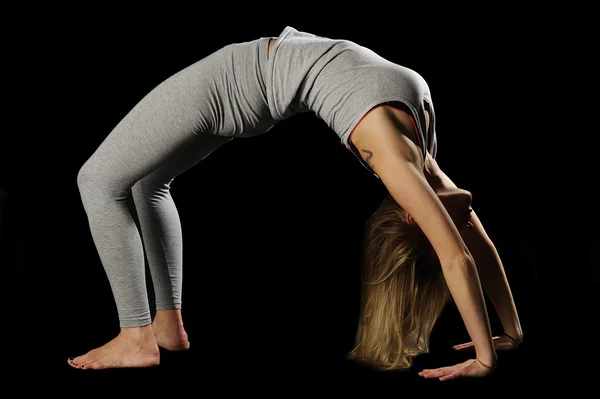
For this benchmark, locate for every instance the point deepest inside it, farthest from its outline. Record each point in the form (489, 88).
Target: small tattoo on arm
(369, 157)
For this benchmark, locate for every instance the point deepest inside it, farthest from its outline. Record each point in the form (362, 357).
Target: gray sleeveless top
(341, 81)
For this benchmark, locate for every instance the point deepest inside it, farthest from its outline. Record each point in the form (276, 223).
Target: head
(403, 288)
(457, 203)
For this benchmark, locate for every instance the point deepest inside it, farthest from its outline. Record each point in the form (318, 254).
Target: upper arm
(435, 176)
(396, 161)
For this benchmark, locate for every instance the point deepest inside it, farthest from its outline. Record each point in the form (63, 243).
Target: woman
(381, 111)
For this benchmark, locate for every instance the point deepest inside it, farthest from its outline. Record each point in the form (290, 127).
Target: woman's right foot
(168, 330)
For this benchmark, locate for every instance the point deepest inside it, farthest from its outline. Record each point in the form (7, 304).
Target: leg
(161, 233)
(153, 133)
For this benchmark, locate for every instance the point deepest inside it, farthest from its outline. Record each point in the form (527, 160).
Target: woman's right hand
(470, 368)
(501, 343)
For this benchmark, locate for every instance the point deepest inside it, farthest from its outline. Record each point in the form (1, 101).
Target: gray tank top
(340, 81)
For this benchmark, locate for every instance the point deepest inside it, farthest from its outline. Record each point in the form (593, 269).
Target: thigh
(164, 124)
(182, 160)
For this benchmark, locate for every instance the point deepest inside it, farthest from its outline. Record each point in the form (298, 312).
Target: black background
(272, 224)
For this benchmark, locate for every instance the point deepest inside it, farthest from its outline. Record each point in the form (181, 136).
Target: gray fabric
(237, 91)
(179, 123)
(340, 81)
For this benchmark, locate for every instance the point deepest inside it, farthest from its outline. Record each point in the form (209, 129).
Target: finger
(440, 375)
(435, 370)
(463, 346)
(449, 377)
(437, 373)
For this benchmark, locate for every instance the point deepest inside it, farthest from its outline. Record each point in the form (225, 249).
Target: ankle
(171, 316)
(139, 334)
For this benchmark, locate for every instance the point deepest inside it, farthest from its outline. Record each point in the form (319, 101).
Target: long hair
(403, 291)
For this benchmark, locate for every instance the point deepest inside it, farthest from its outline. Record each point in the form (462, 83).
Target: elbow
(458, 263)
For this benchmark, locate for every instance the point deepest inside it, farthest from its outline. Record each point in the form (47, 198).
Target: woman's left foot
(133, 347)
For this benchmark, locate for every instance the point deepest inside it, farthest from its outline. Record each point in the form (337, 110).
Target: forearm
(463, 282)
(493, 277)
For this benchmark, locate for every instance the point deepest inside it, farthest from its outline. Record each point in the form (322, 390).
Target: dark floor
(250, 333)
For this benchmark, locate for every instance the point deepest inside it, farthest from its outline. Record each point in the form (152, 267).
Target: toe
(87, 364)
(82, 363)
(72, 363)
(78, 360)
(96, 365)
(91, 355)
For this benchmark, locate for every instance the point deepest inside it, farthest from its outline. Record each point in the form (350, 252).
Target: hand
(501, 343)
(470, 368)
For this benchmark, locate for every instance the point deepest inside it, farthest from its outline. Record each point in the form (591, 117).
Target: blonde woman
(381, 111)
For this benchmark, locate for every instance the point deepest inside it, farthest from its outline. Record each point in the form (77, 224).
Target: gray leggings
(137, 159)
(174, 127)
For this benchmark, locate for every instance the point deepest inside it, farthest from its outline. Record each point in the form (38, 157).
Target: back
(340, 81)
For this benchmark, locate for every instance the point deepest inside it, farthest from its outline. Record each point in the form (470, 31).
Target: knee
(90, 180)
(84, 176)
(150, 188)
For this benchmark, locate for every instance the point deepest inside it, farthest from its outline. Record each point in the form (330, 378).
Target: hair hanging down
(403, 291)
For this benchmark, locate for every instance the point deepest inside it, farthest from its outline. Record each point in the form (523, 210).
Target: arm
(398, 163)
(493, 277)
(487, 260)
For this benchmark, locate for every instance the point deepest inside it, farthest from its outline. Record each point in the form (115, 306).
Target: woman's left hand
(470, 368)
(501, 343)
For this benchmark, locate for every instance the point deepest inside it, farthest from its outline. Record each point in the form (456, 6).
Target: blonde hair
(403, 291)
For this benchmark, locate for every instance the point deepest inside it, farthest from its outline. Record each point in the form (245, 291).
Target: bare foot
(133, 347)
(169, 331)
